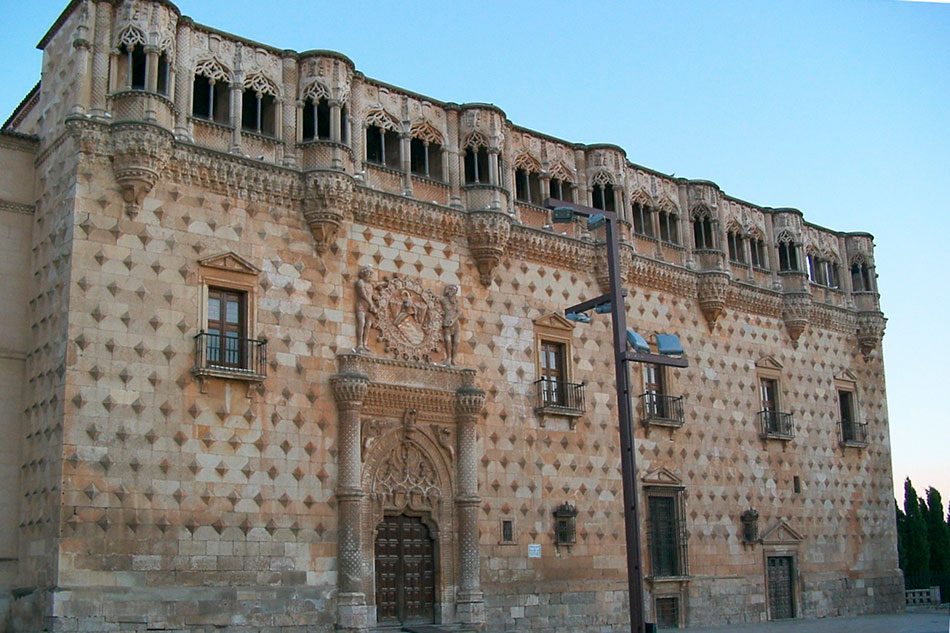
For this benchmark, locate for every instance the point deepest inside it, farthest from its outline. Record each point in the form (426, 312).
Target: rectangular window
(787, 257)
(667, 612)
(654, 391)
(757, 249)
(507, 531)
(561, 190)
(374, 144)
(553, 373)
(664, 536)
(642, 219)
(226, 328)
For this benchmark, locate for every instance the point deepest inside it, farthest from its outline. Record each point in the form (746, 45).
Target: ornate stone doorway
(405, 571)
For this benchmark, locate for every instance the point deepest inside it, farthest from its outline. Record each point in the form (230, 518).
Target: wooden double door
(405, 571)
(781, 587)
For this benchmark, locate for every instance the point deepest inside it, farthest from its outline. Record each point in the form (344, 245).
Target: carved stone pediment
(409, 318)
(407, 478)
(662, 476)
(768, 362)
(230, 261)
(554, 321)
(781, 534)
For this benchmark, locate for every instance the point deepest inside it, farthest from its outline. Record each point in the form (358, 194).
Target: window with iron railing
(657, 405)
(223, 347)
(853, 432)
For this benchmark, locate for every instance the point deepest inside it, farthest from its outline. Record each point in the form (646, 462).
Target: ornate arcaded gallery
(283, 346)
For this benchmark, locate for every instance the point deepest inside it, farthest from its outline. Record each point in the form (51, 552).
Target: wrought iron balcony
(555, 397)
(661, 409)
(853, 433)
(777, 425)
(230, 357)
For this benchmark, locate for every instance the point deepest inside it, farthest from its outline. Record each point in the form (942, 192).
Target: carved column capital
(140, 153)
(349, 390)
(796, 312)
(870, 331)
(469, 402)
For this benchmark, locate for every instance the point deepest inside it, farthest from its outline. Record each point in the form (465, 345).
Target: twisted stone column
(349, 389)
(469, 601)
(289, 107)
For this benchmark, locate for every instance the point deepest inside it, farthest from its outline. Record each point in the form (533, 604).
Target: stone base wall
(524, 608)
(182, 608)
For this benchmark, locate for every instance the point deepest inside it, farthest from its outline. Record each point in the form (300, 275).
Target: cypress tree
(939, 536)
(901, 537)
(916, 545)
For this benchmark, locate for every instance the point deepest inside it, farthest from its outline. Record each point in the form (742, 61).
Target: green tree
(901, 536)
(938, 533)
(916, 546)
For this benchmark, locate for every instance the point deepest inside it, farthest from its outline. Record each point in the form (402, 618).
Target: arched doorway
(405, 571)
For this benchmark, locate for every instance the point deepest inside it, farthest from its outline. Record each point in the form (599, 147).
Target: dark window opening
(135, 67)
(703, 233)
(668, 227)
(787, 256)
(210, 100)
(736, 248)
(507, 531)
(375, 147)
(797, 484)
(163, 70)
(664, 536)
(642, 219)
(527, 186)
(846, 406)
(757, 248)
(667, 612)
(259, 112)
(861, 278)
(425, 159)
(316, 119)
(769, 393)
(561, 190)
(344, 128)
(604, 197)
(476, 165)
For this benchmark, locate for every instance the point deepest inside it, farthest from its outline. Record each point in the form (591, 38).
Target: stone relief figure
(365, 308)
(450, 323)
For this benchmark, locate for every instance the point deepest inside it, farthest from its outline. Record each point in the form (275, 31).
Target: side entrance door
(781, 598)
(405, 571)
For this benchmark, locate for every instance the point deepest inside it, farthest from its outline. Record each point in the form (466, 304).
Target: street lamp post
(564, 212)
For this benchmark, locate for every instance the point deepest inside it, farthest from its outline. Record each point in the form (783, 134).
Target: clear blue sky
(840, 108)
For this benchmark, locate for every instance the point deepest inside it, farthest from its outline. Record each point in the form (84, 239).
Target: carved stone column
(349, 389)
(405, 161)
(83, 81)
(100, 58)
(289, 107)
(236, 95)
(454, 157)
(469, 600)
(183, 80)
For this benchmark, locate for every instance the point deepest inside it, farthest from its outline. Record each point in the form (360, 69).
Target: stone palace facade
(282, 348)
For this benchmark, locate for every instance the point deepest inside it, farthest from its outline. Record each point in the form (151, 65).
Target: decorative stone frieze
(488, 233)
(327, 196)
(713, 292)
(140, 153)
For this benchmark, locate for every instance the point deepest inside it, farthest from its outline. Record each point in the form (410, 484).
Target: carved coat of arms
(409, 318)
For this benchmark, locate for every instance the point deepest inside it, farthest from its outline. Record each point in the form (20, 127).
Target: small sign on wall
(534, 550)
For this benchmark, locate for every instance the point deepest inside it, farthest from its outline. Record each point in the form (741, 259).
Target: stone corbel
(488, 233)
(713, 290)
(796, 312)
(140, 153)
(870, 331)
(328, 195)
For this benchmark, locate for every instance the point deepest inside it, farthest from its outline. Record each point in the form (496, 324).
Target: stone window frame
(230, 272)
(670, 388)
(767, 368)
(663, 482)
(554, 328)
(501, 531)
(847, 382)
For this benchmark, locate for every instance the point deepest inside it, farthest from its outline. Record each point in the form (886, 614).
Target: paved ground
(917, 621)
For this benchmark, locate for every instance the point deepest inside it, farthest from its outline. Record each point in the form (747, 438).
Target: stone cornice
(16, 207)
(407, 215)
(549, 248)
(18, 142)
